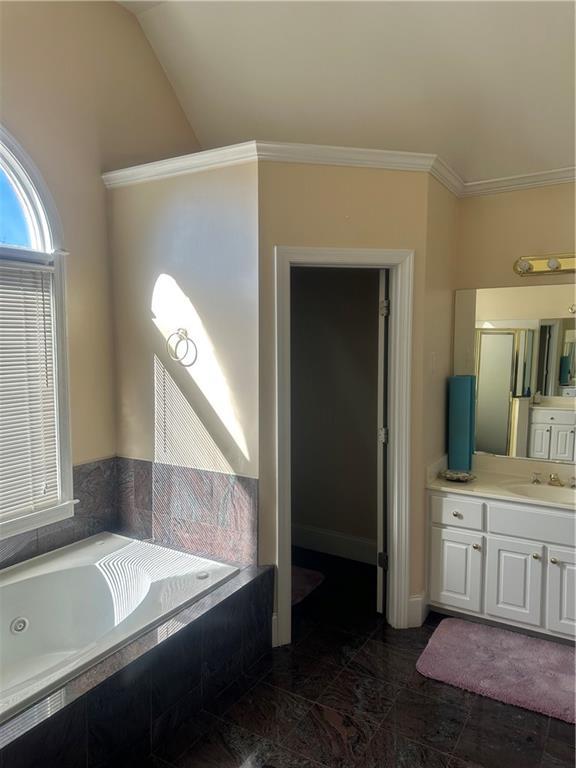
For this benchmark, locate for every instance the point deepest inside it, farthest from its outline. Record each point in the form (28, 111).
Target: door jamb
(400, 264)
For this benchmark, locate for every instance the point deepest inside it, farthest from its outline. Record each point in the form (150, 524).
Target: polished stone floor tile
(302, 625)
(437, 690)
(385, 663)
(359, 623)
(360, 695)
(414, 640)
(558, 754)
(330, 737)
(301, 674)
(494, 745)
(331, 645)
(429, 721)
(271, 756)
(268, 712)
(228, 746)
(562, 731)
(389, 749)
(490, 714)
(225, 745)
(456, 762)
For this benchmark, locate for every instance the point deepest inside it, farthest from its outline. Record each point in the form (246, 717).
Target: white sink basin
(549, 493)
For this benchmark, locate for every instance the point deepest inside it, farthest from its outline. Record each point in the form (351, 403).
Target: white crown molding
(445, 175)
(526, 181)
(178, 166)
(317, 154)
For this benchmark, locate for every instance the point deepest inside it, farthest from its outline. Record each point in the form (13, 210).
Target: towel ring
(176, 353)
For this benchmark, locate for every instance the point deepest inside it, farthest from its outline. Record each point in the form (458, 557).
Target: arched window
(35, 461)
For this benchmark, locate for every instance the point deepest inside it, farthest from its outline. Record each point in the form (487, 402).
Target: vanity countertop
(513, 488)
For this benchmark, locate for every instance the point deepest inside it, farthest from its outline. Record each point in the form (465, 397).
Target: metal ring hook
(176, 354)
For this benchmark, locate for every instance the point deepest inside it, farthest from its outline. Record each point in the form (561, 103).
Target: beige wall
(82, 92)
(185, 255)
(321, 206)
(495, 230)
(442, 221)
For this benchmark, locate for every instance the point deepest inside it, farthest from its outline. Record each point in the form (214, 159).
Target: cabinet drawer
(552, 416)
(551, 526)
(457, 511)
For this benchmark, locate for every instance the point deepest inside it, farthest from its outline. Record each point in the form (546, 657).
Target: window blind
(29, 456)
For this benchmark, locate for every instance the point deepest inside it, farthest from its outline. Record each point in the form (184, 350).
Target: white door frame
(401, 266)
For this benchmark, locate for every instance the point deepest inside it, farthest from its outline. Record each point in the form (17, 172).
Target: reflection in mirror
(521, 345)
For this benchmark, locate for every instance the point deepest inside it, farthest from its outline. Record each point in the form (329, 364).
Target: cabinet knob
(476, 547)
(536, 556)
(456, 514)
(554, 560)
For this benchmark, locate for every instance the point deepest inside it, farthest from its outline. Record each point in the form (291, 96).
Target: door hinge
(385, 307)
(383, 560)
(384, 435)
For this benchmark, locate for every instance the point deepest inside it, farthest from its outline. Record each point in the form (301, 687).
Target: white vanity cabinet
(507, 562)
(562, 442)
(456, 575)
(552, 434)
(514, 580)
(561, 590)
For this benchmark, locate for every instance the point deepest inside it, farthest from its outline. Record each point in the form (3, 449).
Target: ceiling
(488, 86)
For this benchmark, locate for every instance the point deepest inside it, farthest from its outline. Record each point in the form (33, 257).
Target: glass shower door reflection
(494, 391)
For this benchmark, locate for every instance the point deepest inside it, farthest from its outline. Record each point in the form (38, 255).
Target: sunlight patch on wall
(172, 310)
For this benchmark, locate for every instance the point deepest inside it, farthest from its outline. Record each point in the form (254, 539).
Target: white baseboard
(275, 641)
(417, 610)
(335, 543)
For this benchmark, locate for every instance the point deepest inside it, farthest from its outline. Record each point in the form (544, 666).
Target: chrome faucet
(555, 480)
(536, 478)
(573, 482)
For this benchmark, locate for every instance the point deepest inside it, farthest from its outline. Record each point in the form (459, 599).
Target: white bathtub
(62, 612)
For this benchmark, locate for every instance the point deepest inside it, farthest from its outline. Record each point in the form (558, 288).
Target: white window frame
(46, 235)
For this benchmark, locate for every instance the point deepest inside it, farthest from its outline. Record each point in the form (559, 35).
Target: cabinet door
(561, 593)
(562, 442)
(539, 441)
(456, 568)
(514, 579)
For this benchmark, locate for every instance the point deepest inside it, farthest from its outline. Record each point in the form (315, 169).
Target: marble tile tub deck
(147, 697)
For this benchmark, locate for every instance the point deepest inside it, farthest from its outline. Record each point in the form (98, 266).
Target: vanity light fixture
(557, 263)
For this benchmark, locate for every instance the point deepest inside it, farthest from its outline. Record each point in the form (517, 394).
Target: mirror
(520, 343)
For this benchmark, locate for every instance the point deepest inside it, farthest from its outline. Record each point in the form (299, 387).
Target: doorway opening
(339, 366)
(395, 276)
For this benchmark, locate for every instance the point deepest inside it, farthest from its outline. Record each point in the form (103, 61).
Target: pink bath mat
(506, 666)
(304, 581)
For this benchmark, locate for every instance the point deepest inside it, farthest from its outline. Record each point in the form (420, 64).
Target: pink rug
(506, 666)
(304, 581)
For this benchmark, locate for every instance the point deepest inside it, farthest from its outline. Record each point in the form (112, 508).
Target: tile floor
(346, 695)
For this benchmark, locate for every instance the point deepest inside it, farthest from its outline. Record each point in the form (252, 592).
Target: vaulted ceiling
(488, 86)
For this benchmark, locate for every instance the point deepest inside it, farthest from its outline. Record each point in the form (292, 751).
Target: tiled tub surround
(210, 514)
(95, 487)
(147, 697)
